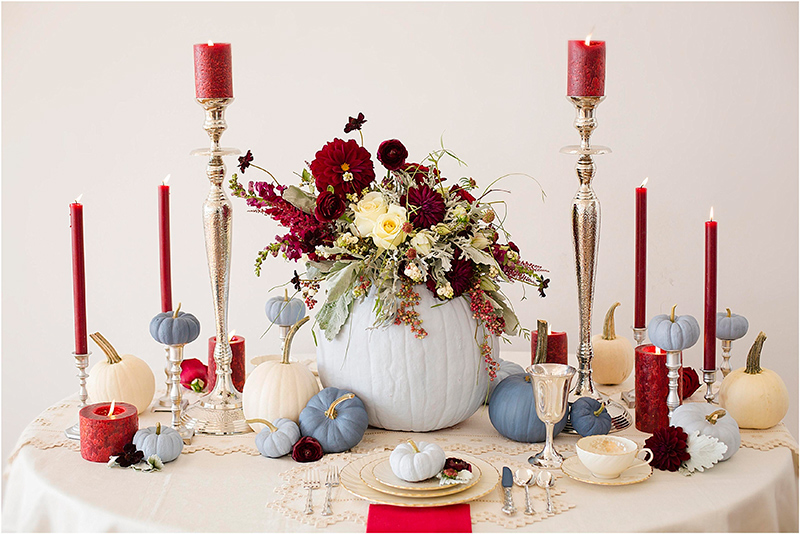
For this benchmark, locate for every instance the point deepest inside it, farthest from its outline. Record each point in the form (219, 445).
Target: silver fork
(331, 481)
(311, 483)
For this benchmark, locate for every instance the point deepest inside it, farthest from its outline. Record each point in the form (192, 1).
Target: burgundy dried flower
(329, 207)
(295, 281)
(543, 285)
(420, 172)
(392, 154)
(690, 382)
(244, 161)
(307, 449)
(194, 374)
(354, 123)
(343, 165)
(460, 273)
(458, 464)
(463, 194)
(669, 448)
(129, 456)
(425, 206)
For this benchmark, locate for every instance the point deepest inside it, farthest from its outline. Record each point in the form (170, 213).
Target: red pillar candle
(163, 246)
(652, 388)
(237, 363)
(710, 330)
(556, 347)
(213, 77)
(104, 435)
(586, 68)
(78, 276)
(640, 293)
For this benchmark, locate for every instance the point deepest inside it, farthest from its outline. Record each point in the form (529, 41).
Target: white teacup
(608, 456)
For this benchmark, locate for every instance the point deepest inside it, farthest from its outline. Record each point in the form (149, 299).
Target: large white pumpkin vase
(408, 383)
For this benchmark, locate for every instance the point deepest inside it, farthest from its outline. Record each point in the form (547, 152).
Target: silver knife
(508, 500)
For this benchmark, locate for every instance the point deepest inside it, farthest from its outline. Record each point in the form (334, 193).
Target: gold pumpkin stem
(272, 428)
(602, 407)
(729, 312)
(541, 342)
(111, 353)
(672, 315)
(754, 356)
(175, 314)
(609, 330)
(713, 417)
(285, 295)
(413, 445)
(330, 413)
(158, 429)
(287, 343)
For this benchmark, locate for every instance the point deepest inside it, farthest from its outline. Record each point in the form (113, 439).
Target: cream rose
(367, 211)
(422, 242)
(388, 230)
(480, 241)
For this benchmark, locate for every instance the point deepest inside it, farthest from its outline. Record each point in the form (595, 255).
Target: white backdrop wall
(98, 99)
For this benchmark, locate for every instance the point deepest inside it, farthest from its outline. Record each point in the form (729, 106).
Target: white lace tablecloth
(223, 484)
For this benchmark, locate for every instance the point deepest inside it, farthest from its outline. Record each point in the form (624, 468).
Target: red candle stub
(237, 363)
(556, 347)
(652, 388)
(213, 76)
(586, 68)
(104, 435)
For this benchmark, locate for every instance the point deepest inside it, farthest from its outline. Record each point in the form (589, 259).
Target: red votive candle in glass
(237, 363)
(652, 388)
(213, 76)
(104, 435)
(640, 289)
(556, 347)
(586, 68)
(710, 318)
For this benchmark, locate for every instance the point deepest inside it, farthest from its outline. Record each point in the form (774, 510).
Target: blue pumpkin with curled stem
(276, 440)
(336, 418)
(589, 417)
(512, 411)
(175, 328)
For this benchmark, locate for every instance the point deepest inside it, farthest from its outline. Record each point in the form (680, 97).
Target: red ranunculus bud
(307, 449)
(392, 154)
(329, 207)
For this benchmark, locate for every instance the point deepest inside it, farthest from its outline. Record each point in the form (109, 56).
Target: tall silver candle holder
(219, 411)
(674, 363)
(175, 360)
(586, 239)
(81, 362)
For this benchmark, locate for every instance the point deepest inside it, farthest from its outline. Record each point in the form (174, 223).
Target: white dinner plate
(638, 472)
(402, 488)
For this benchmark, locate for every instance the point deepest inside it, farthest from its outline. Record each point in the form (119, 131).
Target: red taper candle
(78, 276)
(640, 292)
(586, 68)
(213, 76)
(163, 246)
(710, 329)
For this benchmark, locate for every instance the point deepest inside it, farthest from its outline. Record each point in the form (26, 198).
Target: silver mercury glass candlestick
(586, 239)
(81, 362)
(220, 411)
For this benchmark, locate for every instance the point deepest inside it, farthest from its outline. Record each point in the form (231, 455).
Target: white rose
(480, 241)
(458, 212)
(388, 230)
(367, 212)
(445, 291)
(422, 242)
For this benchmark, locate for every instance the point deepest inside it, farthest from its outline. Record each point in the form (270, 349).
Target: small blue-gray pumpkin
(336, 418)
(284, 311)
(512, 411)
(175, 328)
(589, 417)
(731, 326)
(165, 442)
(276, 440)
(672, 333)
(506, 369)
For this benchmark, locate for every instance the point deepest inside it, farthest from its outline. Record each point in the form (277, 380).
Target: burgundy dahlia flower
(425, 206)
(460, 274)
(329, 207)
(392, 154)
(343, 165)
(669, 448)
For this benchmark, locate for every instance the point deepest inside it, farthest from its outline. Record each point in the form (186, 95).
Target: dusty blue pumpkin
(284, 311)
(512, 411)
(174, 328)
(336, 418)
(589, 417)
(276, 440)
(165, 442)
(672, 333)
(506, 369)
(731, 326)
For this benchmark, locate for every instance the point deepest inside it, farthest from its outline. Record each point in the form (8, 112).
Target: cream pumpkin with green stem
(613, 355)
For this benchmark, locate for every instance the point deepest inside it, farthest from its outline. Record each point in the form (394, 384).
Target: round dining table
(222, 484)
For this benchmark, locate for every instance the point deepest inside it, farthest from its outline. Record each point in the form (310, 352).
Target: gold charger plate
(375, 475)
(351, 481)
(638, 472)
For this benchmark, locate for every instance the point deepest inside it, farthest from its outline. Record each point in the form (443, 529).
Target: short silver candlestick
(175, 392)
(709, 377)
(164, 403)
(586, 239)
(674, 358)
(726, 357)
(81, 362)
(219, 411)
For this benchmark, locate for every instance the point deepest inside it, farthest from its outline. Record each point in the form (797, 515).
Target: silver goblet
(551, 384)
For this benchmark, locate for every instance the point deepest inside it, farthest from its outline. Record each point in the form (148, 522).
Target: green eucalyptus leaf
(300, 199)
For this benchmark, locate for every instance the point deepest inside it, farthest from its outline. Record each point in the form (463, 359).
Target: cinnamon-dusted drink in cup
(608, 456)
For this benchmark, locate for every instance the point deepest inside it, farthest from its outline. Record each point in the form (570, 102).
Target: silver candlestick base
(81, 362)
(709, 377)
(220, 411)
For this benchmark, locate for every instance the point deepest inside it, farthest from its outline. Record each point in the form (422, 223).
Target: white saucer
(638, 472)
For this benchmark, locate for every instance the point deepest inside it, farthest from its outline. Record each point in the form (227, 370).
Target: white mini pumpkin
(613, 355)
(709, 420)
(279, 388)
(408, 383)
(123, 378)
(413, 463)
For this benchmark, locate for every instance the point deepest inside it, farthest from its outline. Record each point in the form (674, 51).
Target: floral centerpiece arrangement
(390, 235)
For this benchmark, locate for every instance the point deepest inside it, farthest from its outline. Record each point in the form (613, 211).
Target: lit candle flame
(231, 336)
(645, 182)
(711, 214)
(78, 200)
(210, 43)
(589, 37)
(658, 350)
(549, 329)
(165, 180)
(111, 409)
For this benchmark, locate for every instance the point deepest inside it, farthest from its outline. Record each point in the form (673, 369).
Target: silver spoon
(544, 479)
(523, 477)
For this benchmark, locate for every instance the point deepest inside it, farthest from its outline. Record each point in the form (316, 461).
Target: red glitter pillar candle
(710, 319)
(163, 246)
(104, 435)
(586, 68)
(213, 76)
(652, 388)
(556, 347)
(237, 363)
(640, 293)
